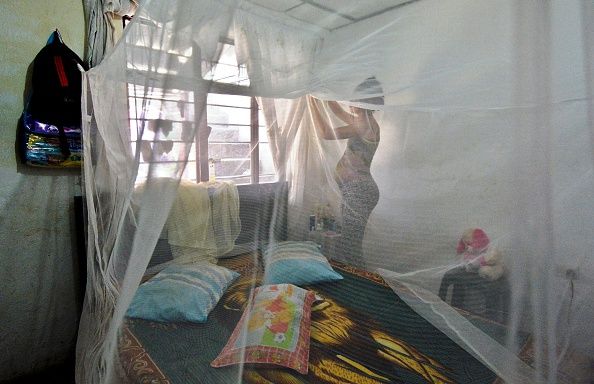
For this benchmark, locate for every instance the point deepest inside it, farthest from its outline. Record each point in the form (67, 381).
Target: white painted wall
(38, 283)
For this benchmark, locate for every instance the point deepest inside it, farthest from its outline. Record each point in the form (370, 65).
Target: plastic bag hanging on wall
(51, 121)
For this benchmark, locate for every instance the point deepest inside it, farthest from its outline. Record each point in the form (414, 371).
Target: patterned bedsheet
(361, 332)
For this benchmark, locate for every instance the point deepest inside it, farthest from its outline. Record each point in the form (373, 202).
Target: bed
(361, 332)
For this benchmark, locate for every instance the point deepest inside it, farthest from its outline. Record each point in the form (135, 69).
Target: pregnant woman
(360, 193)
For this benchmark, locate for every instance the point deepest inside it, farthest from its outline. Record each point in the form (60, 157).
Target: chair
(494, 293)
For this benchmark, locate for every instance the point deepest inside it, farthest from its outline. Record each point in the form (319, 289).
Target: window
(231, 141)
(238, 147)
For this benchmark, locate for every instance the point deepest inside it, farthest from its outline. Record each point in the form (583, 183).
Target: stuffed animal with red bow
(478, 255)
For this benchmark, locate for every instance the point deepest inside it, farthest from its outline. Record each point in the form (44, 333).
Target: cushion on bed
(297, 262)
(274, 329)
(181, 293)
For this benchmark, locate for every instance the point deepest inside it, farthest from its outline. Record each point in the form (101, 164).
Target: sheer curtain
(101, 29)
(487, 123)
(303, 159)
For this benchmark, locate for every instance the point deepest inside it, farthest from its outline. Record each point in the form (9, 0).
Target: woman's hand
(321, 126)
(356, 124)
(343, 115)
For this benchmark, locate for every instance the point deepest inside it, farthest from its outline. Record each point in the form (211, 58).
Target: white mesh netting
(440, 153)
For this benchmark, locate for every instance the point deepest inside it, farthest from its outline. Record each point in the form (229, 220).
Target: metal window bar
(254, 144)
(201, 119)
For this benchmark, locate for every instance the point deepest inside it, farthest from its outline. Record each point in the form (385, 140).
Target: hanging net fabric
(341, 192)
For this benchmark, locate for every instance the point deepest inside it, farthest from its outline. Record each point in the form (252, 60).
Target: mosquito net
(342, 191)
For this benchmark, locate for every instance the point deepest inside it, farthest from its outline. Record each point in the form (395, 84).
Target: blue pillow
(297, 262)
(181, 293)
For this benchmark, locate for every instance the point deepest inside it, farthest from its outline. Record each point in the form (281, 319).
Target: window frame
(200, 105)
(202, 131)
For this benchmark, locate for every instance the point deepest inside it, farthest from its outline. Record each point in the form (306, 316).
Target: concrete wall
(38, 283)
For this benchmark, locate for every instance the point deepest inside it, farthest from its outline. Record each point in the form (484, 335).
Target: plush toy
(478, 255)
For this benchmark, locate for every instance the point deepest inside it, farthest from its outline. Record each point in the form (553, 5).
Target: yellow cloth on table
(225, 215)
(202, 226)
(189, 223)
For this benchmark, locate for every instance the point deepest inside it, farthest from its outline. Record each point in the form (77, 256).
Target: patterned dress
(360, 195)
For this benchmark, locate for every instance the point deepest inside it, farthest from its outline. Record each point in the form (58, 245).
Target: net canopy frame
(480, 116)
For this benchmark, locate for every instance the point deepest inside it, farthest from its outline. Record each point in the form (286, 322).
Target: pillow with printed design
(297, 262)
(181, 293)
(274, 329)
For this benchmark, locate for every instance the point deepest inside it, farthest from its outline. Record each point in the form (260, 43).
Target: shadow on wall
(39, 280)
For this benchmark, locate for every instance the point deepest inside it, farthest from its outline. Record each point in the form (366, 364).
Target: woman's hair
(370, 86)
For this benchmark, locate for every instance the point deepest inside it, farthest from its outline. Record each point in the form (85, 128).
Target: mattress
(361, 332)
